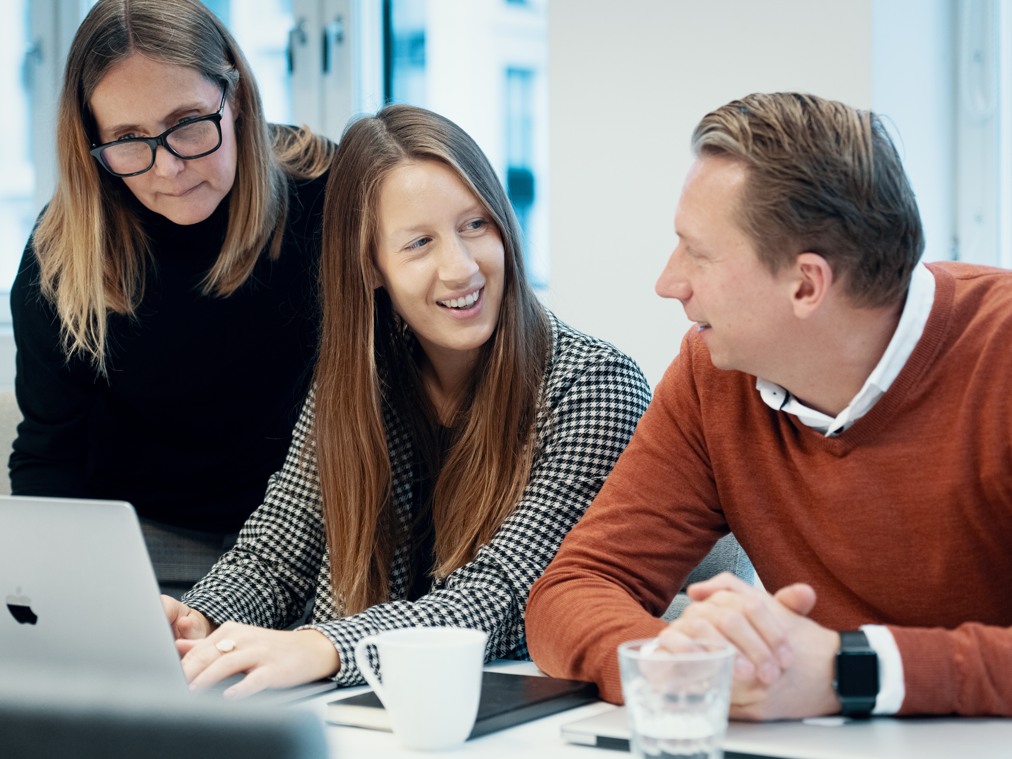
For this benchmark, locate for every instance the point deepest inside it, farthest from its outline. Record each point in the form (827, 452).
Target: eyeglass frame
(162, 139)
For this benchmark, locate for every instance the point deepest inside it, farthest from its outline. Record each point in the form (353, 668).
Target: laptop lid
(80, 601)
(79, 595)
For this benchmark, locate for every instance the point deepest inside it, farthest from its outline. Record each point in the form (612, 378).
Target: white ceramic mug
(429, 683)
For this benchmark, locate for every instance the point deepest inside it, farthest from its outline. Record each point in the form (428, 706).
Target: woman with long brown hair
(456, 430)
(166, 310)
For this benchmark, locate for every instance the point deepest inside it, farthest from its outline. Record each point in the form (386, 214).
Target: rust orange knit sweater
(905, 519)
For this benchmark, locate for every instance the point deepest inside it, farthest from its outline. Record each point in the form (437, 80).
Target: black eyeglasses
(190, 139)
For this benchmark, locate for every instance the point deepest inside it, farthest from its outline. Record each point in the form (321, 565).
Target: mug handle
(365, 667)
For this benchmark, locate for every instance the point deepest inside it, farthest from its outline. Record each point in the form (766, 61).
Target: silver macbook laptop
(80, 600)
(80, 596)
(830, 738)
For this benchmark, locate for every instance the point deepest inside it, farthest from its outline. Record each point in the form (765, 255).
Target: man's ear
(813, 278)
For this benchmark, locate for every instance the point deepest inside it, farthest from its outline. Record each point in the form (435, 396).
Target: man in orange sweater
(845, 410)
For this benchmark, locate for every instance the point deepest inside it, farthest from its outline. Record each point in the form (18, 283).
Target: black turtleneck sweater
(202, 392)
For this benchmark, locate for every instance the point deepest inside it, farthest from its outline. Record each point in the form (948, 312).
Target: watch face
(857, 674)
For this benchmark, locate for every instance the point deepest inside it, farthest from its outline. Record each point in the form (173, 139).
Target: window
(943, 81)
(520, 173)
(983, 107)
(17, 180)
(264, 30)
(482, 63)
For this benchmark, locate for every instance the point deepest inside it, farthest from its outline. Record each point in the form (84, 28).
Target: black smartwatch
(856, 681)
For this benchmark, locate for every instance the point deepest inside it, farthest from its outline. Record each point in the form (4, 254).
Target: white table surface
(952, 738)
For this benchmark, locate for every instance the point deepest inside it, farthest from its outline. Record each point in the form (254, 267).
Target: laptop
(81, 602)
(827, 738)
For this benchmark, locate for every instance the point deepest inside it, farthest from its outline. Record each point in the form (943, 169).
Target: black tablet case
(506, 700)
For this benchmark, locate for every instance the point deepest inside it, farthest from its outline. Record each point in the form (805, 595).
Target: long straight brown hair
(91, 248)
(368, 360)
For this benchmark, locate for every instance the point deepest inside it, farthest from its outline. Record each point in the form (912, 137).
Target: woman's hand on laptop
(268, 658)
(186, 623)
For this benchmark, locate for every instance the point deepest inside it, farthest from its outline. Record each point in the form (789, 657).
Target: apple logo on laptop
(20, 608)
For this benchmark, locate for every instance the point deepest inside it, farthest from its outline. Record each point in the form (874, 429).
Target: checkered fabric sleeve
(592, 398)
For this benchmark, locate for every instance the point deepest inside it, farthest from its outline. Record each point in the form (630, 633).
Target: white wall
(627, 83)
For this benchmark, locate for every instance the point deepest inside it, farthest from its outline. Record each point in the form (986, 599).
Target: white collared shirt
(920, 297)
(914, 317)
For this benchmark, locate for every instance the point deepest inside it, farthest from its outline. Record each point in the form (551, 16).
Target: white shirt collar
(920, 297)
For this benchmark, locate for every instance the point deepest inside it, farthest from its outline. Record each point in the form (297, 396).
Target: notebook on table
(81, 602)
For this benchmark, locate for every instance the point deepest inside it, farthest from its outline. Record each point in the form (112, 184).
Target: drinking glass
(677, 701)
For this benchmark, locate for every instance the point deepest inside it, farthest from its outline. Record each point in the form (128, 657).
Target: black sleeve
(55, 396)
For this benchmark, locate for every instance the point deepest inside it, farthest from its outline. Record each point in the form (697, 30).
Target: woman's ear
(813, 280)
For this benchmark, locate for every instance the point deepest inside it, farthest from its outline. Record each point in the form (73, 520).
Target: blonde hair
(368, 360)
(822, 177)
(91, 248)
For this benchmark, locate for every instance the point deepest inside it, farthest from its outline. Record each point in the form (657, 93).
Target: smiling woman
(440, 259)
(456, 431)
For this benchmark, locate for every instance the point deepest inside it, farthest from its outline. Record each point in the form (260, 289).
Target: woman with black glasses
(165, 312)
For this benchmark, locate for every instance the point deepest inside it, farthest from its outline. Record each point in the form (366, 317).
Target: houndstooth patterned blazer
(592, 398)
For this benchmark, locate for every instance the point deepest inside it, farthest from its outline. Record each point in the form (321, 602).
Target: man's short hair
(825, 178)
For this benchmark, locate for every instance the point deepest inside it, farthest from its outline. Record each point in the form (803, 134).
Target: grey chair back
(727, 555)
